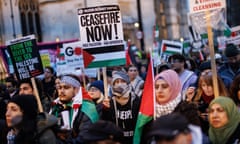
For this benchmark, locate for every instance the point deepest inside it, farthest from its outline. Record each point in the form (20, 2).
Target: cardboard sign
(69, 58)
(101, 35)
(25, 57)
(197, 6)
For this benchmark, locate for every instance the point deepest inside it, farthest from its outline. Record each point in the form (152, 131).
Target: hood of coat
(45, 121)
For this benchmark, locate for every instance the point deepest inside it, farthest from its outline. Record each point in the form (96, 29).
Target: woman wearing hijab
(168, 92)
(224, 119)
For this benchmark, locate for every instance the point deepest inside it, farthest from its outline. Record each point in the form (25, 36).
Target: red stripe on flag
(147, 104)
(128, 58)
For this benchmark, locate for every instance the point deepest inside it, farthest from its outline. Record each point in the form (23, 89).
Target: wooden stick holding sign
(212, 54)
(104, 71)
(98, 74)
(83, 78)
(40, 108)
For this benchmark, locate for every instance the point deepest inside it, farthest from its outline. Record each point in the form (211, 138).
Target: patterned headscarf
(171, 77)
(71, 81)
(221, 135)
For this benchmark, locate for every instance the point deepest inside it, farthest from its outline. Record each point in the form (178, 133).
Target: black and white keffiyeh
(167, 108)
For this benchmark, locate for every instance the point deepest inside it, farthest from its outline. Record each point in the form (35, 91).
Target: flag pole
(154, 99)
(104, 71)
(83, 78)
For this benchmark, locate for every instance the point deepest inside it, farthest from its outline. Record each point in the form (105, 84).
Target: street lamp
(140, 24)
(13, 22)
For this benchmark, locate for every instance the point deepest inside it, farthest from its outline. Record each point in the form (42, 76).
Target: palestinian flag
(107, 56)
(88, 107)
(147, 104)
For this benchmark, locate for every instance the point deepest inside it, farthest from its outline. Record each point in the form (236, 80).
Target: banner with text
(197, 6)
(25, 57)
(101, 35)
(70, 58)
(200, 10)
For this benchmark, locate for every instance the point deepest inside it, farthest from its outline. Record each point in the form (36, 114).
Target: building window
(233, 9)
(30, 19)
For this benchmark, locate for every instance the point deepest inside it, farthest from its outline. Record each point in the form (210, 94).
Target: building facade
(52, 20)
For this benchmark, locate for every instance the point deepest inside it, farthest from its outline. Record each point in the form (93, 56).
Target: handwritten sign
(204, 5)
(25, 57)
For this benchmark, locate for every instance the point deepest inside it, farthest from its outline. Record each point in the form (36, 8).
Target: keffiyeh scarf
(168, 107)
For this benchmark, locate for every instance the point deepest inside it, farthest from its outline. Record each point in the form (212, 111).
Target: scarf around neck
(164, 109)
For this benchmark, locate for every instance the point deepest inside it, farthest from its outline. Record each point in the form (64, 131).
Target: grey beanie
(120, 75)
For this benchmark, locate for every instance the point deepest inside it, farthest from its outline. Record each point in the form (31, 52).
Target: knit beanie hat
(205, 65)
(231, 50)
(120, 75)
(28, 105)
(98, 84)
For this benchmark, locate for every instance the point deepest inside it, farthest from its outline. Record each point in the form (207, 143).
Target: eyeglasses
(175, 61)
(93, 89)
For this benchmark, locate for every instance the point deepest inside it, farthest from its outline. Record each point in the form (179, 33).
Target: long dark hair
(234, 88)
(28, 126)
(27, 132)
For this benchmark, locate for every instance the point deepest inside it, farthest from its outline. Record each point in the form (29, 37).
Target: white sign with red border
(197, 6)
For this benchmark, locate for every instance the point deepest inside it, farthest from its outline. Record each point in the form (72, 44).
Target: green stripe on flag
(204, 36)
(90, 110)
(141, 121)
(169, 52)
(186, 44)
(104, 63)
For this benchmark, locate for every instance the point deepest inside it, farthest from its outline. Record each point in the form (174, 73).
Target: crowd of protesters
(77, 111)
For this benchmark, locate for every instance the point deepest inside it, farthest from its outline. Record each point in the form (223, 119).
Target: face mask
(121, 89)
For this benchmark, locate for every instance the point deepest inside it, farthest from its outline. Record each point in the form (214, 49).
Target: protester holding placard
(205, 94)
(123, 107)
(96, 92)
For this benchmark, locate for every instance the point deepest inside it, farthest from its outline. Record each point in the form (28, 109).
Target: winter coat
(80, 127)
(126, 116)
(45, 129)
(235, 137)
